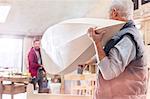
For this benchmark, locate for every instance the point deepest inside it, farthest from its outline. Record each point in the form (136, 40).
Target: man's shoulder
(31, 51)
(125, 41)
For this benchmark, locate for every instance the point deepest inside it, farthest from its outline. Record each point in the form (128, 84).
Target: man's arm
(100, 50)
(119, 57)
(97, 40)
(31, 60)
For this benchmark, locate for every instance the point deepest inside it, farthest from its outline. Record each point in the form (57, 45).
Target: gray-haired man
(122, 71)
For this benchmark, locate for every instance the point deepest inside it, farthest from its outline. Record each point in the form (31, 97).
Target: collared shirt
(119, 57)
(38, 57)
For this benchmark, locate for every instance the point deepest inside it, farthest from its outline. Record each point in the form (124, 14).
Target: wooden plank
(61, 96)
(80, 77)
(21, 79)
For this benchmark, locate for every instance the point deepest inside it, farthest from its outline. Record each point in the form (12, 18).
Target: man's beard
(37, 49)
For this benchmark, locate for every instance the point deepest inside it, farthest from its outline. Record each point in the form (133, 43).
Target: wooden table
(18, 85)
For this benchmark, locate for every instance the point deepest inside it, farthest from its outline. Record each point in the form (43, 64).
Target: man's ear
(115, 13)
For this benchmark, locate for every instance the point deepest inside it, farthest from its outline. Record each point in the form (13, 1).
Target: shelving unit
(142, 16)
(87, 83)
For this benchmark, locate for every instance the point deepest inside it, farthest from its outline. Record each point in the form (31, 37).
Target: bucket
(55, 88)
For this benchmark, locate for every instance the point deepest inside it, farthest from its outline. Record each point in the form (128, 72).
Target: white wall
(100, 10)
(26, 48)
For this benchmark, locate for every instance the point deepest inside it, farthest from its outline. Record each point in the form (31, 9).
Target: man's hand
(96, 36)
(41, 65)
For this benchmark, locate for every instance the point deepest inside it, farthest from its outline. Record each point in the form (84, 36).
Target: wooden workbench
(18, 85)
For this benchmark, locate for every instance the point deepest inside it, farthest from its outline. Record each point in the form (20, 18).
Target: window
(11, 53)
(136, 4)
(145, 1)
